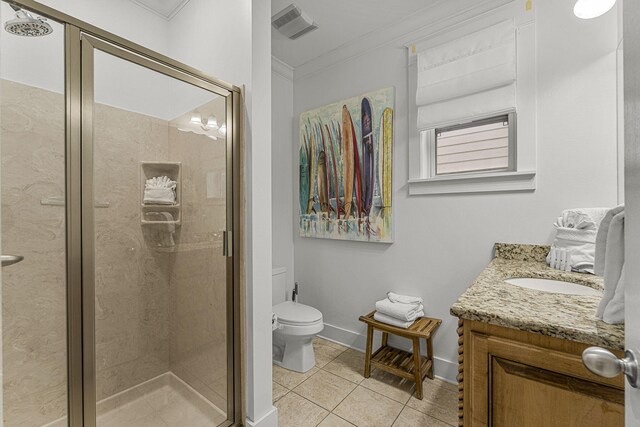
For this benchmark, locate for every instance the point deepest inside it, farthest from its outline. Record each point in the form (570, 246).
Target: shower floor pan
(164, 401)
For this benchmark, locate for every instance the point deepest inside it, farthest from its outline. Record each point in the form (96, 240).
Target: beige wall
(156, 309)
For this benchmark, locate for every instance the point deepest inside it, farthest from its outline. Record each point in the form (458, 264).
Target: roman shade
(467, 78)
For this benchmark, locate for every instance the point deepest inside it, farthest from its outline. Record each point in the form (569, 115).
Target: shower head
(25, 24)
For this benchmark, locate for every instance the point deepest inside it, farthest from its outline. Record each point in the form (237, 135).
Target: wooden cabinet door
(526, 396)
(510, 383)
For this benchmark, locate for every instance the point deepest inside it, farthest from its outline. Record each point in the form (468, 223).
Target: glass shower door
(161, 281)
(33, 221)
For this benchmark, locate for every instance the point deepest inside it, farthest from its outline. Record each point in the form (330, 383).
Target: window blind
(467, 78)
(473, 148)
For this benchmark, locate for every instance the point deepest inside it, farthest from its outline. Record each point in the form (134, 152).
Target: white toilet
(297, 325)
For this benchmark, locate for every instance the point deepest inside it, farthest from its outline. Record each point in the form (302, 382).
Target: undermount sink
(552, 286)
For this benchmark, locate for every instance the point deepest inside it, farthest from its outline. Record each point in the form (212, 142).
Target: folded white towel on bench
(404, 299)
(380, 317)
(403, 312)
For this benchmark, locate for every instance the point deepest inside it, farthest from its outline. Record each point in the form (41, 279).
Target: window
(479, 146)
(464, 133)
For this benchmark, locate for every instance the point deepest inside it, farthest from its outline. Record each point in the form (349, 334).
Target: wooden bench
(411, 366)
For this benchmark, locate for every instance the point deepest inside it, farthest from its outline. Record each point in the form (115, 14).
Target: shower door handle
(227, 243)
(8, 260)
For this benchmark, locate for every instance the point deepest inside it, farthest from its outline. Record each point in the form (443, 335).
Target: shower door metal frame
(81, 39)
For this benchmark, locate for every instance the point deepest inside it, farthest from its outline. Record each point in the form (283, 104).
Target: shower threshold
(163, 401)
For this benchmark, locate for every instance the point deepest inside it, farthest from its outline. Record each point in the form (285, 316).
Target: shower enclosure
(119, 185)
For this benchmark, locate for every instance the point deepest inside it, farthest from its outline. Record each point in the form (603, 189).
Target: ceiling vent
(293, 22)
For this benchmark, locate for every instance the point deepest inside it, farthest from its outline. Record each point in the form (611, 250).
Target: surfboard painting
(346, 159)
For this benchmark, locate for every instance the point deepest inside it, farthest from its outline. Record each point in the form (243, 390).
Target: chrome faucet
(294, 294)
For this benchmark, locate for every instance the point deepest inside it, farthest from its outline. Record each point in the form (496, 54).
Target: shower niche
(161, 204)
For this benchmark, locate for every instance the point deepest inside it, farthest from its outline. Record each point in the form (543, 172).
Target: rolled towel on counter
(380, 317)
(403, 312)
(403, 299)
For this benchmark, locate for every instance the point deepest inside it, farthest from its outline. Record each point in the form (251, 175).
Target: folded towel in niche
(404, 299)
(380, 317)
(404, 312)
(160, 190)
(160, 196)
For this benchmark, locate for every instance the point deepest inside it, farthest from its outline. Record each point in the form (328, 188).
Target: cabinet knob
(605, 364)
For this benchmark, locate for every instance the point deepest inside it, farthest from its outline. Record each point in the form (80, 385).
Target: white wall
(282, 171)
(443, 242)
(260, 410)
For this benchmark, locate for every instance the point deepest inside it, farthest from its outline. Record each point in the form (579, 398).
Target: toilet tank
(279, 287)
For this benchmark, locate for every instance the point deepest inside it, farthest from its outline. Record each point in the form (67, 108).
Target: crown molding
(167, 16)
(439, 16)
(281, 68)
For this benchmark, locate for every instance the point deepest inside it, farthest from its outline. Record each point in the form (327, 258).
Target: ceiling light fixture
(212, 123)
(196, 119)
(208, 127)
(589, 9)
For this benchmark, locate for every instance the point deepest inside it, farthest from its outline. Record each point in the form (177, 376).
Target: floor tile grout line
(349, 394)
(429, 415)
(345, 420)
(369, 388)
(313, 403)
(305, 380)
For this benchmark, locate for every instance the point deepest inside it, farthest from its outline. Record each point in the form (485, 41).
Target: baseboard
(442, 368)
(270, 419)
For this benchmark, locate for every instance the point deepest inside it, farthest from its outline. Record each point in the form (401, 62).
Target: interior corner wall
(282, 170)
(443, 242)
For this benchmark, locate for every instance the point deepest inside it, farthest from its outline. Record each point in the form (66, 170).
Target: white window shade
(468, 78)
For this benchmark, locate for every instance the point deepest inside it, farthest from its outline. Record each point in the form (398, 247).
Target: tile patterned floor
(335, 394)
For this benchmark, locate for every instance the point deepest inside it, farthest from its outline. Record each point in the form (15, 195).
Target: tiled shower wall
(198, 278)
(33, 292)
(156, 310)
(132, 286)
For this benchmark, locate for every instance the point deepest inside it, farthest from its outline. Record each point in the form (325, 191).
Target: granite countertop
(491, 300)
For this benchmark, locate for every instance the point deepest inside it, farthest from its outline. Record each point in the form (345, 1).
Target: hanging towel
(601, 239)
(404, 312)
(614, 311)
(613, 260)
(404, 299)
(380, 317)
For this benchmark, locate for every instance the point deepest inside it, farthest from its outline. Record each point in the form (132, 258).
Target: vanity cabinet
(509, 377)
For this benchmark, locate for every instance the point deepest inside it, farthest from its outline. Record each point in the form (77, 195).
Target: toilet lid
(294, 313)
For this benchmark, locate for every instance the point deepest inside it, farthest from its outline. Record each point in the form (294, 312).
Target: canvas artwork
(346, 163)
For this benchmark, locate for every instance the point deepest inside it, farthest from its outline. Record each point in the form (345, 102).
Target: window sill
(496, 182)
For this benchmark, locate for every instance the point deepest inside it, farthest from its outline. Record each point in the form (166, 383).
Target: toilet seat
(296, 314)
